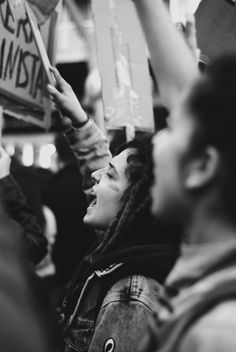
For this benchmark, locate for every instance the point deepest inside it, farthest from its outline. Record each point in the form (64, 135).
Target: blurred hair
(213, 106)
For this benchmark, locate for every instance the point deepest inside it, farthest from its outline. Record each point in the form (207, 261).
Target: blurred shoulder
(213, 332)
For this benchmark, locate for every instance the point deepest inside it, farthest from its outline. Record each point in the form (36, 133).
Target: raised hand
(190, 35)
(66, 100)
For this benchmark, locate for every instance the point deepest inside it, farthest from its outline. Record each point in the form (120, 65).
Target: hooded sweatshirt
(116, 294)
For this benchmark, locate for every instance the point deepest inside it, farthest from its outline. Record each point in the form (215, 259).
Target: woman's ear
(202, 170)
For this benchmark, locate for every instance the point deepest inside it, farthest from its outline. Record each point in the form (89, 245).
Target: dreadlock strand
(115, 231)
(121, 228)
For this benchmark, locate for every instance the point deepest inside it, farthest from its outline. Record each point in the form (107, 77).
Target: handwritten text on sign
(21, 72)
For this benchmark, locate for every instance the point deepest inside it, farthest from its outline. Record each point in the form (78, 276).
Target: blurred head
(113, 184)
(195, 156)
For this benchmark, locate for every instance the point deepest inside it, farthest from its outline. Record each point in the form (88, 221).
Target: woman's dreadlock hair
(134, 214)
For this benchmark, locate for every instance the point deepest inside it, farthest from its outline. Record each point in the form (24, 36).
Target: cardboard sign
(122, 60)
(22, 78)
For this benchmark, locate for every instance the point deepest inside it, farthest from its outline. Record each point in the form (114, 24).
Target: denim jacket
(118, 321)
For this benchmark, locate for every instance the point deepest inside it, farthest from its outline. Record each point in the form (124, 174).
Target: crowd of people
(154, 264)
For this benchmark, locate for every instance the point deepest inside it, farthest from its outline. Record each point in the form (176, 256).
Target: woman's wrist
(82, 123)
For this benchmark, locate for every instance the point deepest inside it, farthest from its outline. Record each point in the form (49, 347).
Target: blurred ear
(202, 170)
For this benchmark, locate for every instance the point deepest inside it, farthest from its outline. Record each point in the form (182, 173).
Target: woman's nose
(96, 175)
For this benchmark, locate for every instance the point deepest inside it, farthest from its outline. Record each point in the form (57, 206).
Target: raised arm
(91, 149)
(172, 60)
(89, 144)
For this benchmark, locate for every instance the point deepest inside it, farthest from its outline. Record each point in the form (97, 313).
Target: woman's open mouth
(93, 203)
(92, 200)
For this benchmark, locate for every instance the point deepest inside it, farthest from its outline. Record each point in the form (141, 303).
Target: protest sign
(23, 91)
(123, 66)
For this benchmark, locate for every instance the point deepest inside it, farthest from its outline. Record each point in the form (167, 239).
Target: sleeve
(91, 148)
(120, 326)
(17, 209)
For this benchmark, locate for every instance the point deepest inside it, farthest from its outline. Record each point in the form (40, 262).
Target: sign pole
(40, 45)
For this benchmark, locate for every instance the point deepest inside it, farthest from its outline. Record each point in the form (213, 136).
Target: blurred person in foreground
(30, 232)
(195, 187)
(115, 289)
(29, 236)
(23, 327)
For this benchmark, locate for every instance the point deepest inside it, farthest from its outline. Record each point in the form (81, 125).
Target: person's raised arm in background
(173, 62)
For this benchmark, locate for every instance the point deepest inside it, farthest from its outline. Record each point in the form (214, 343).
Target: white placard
(122, 61)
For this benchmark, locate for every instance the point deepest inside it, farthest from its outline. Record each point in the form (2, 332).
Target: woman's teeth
(93, 202)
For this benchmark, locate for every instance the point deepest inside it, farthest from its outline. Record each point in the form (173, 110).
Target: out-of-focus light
(45, 155)
(28, 155)
(10, 149)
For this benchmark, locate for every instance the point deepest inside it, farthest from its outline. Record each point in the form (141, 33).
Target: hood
(154, 260)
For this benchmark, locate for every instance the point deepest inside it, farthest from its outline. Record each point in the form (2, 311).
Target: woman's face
(110, 184)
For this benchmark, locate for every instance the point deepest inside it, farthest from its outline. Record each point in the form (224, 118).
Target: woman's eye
(109, 175)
